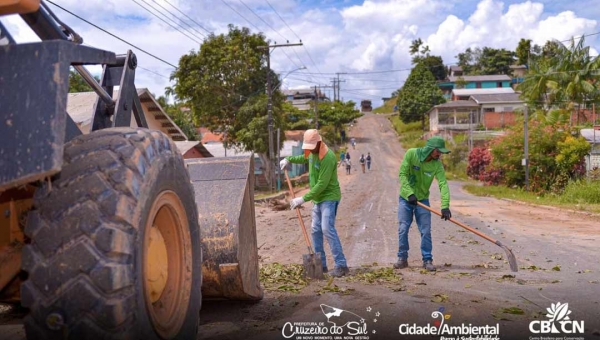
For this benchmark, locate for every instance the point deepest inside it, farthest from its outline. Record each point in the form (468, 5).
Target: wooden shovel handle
(459, 224)
(287, 178)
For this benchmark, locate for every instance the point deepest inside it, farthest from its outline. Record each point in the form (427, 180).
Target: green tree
(78, 84)
(420, 53)
(224, 83)
(563, 76)
(418, 94)
(523, 51)
(218, 80)
(335, 115)
(182, 117)
(486, 60)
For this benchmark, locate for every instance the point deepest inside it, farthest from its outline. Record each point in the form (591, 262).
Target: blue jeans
(323, 223)
(368, 165)
(405, 218)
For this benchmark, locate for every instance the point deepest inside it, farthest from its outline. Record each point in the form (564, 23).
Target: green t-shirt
(324, 185)
(416, 176)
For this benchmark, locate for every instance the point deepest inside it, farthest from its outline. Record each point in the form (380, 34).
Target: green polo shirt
(416, 177)
(324, 185)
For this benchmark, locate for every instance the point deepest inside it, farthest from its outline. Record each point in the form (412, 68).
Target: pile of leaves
(377, 276)
(288, 277)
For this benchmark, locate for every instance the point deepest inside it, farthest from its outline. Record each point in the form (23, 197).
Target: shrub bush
(554, 157)
(479, 160)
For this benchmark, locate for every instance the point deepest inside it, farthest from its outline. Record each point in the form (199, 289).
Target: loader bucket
(224, 189)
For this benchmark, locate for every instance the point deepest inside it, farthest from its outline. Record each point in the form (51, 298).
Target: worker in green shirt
(325, 193)
(419, 167)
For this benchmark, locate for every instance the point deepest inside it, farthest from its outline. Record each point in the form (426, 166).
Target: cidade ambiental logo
(559, 321)
(443, 329)
(339, 322)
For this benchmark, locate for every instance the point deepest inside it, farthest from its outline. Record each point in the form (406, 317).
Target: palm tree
(566, 78)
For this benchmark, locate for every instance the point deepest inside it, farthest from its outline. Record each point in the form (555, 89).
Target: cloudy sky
(367, 41)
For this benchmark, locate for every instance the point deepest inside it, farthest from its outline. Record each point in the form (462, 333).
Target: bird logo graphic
(340, 317)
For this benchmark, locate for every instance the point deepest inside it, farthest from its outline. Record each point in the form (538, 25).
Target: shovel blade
(313, 266)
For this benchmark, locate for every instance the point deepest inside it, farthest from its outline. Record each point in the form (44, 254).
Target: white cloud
(372, 35)
(491, 26)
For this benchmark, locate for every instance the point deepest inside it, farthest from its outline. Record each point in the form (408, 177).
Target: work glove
(446, 214)
(412, 199)
(284, 162)
(296, 203)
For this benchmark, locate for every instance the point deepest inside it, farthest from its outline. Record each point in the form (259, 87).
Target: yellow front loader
(109, 234)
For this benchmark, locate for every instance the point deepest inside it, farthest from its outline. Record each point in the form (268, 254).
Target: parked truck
(109, 234)
(365, 106)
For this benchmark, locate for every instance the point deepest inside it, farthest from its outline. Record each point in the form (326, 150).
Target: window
(446, 118)
(478, 85)
(489, 109)
(499, 84)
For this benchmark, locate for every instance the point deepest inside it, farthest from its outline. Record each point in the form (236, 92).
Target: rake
(512, 260)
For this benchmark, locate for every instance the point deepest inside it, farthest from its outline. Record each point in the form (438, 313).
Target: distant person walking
(362, 162)
(368, 161)
(348, 166)
(347, 155)
(353, 141)
(342, 158)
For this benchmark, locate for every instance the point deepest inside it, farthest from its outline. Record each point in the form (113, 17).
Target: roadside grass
(582, 196)
(409, 134)
(387, 107)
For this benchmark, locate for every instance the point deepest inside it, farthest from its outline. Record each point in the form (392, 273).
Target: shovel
(512, 260)
(313, 265)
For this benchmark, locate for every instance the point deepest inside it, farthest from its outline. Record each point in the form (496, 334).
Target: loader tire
(114, 248)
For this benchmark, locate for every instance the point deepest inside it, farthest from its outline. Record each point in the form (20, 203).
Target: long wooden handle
(459, 224)
(287, 178)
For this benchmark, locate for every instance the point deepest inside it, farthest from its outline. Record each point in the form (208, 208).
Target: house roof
(218, 150)
(457, 103)
(496, 98)
(495, 77)
(455, 68)
(517, 67)
(80, 106)
(185, 146)
(588, 134)
(208, 136)
(470, 92)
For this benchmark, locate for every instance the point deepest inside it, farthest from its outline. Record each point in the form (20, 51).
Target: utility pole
(334, 81)
(316, 108)
(270, 106)
(526, 159)
(338, 84)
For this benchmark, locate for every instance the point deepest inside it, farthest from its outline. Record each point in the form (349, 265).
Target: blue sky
(338, 35)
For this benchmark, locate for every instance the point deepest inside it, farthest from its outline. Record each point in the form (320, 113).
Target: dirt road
(473, 286)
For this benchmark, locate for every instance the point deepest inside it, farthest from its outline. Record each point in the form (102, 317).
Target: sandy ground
(472, 284)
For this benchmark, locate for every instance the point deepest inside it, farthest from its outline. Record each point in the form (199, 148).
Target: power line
(158, 74)
(300, 39)
(111, 34)
(257, 29)
(177, 17)
(194, 21)
(163, 20)
(238, 13)
(261, 19)
(582, 36)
